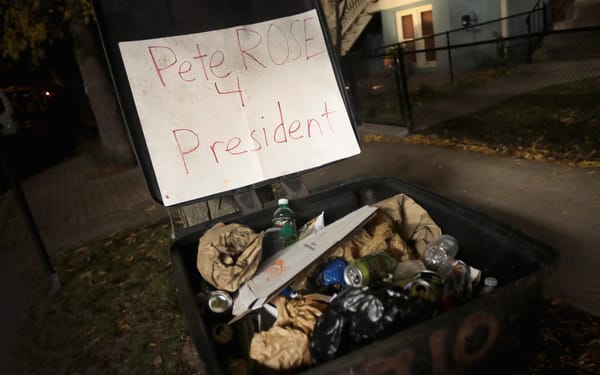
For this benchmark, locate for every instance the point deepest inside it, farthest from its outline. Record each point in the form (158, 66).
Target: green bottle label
(287, 229)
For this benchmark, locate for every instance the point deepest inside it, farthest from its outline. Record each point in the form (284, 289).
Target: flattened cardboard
(280, 269)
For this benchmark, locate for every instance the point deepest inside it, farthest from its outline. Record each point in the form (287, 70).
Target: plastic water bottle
(441, 252)
(284, 219)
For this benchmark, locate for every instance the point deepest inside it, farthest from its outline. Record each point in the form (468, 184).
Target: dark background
(53, 117)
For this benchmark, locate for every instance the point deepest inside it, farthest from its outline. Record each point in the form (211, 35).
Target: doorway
(413, 24)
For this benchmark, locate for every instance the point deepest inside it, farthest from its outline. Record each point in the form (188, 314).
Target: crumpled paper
(377, 234)
(401, 226)
(412, 222)
(229, 255)
(285, 345)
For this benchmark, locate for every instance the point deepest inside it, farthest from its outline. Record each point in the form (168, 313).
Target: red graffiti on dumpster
(448, 350)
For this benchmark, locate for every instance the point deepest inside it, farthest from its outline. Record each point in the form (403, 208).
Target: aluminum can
(219, 301)
(368, 269)
(433, 278)
(423, 290)
(222, 333)
(332, 275)
(426, 285)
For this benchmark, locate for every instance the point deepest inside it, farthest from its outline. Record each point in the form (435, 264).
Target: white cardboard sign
(224, 109)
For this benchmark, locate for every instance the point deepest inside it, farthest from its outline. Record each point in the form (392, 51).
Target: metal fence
(378, 88)
(389, 87)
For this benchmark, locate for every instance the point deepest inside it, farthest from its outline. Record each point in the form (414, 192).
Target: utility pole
(30, 222)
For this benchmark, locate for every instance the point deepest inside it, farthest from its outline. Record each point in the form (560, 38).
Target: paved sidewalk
(70, 197)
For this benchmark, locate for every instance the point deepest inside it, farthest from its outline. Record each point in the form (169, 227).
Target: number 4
(239, 91)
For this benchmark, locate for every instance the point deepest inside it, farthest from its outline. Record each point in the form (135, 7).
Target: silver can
(219, 301)
(353, 276)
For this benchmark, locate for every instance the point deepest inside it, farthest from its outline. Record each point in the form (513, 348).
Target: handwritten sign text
(227, 108)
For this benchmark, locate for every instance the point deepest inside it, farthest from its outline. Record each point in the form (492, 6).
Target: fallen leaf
(123, 326)
(589, 164)
(83, 249)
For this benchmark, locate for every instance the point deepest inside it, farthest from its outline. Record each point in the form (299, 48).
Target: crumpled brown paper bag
(401, 226)
(377, 234)
(413, 223)
(285, 345)
(229, 255)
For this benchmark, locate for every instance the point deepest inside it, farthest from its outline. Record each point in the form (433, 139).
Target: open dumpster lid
(225, 95)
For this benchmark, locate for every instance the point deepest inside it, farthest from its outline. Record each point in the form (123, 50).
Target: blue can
(331, 278)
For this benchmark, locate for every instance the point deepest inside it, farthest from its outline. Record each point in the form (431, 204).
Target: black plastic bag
(358, 316)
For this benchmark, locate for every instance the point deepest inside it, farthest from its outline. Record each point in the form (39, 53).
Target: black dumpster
(180, 88)
(486, 334)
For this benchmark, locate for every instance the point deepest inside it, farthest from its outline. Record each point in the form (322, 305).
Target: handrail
(393, 45)
(481, 42)
(528, 23)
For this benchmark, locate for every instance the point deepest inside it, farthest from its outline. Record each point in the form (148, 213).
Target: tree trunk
(100, 91)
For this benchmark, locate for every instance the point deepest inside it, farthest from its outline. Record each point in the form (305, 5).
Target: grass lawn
(558, 124)
(116, 313)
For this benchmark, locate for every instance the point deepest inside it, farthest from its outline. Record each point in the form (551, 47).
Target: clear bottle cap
(282, 201)
(490, 282)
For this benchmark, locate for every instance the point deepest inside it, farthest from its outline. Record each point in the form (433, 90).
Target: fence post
(30, 224)
(544, 19)
(529, 42)
(403, 88)
(450, 58)
(346, 63)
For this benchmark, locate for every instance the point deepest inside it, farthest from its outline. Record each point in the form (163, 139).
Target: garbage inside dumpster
(466, 326)
(281, 268)
(285, 345)
(358, 316)
(228, 255)
(368, 275)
